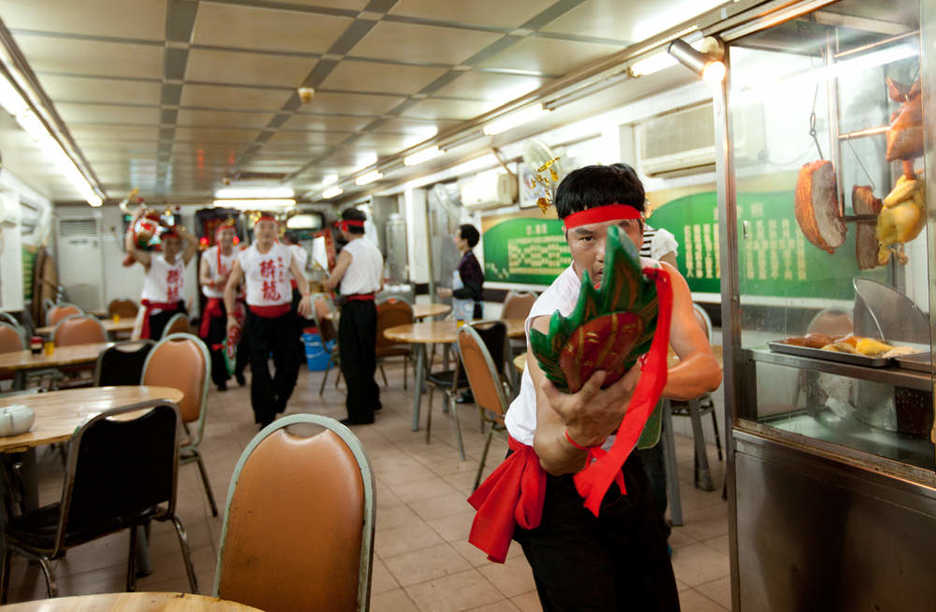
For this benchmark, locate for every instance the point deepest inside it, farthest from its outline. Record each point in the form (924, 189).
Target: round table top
(59, 413)
(440, 332)
(421, 311)
(131, 602)
(76, 354)
(111, 327)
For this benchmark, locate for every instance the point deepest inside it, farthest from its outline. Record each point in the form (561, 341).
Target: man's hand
(444, 292)
(592, 413)
(231, 323)
(305, 306)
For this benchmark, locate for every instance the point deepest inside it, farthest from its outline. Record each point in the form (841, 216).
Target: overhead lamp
(332, 192)
(422, 156)
(255, 204)
(368, 178)
(330, 179)
(653, 63)
(512, 120)
(259, 191)
(461, 140)
(709, 66)
(584, 92)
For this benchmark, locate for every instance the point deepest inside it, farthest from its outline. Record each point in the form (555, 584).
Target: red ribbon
(213, 308)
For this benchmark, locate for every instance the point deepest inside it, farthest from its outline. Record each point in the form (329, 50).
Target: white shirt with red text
(267, 275)
(164, 282)
(217, 272)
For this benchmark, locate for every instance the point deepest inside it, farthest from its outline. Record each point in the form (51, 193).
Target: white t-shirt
(267, 275)
(366, 269)
(657, 242)
(561, 295)
(216, 272)
(164, 282)
(300, 255)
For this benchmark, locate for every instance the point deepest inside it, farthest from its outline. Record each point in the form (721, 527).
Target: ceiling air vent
(246, 175)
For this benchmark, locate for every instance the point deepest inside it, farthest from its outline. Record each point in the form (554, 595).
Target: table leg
(703, 476)
(445, 357)
(672, 471)
(143, 565)
(30, 476)
(418, 386)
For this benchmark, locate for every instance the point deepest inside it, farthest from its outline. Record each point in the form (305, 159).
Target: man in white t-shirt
(216, 264)
(164, 284)
(610, 554)
(359, 272)
(266, 269)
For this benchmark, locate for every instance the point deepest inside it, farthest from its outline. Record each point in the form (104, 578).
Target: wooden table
(20, 362)
(124, 326)
(434, 332)
(131, 602)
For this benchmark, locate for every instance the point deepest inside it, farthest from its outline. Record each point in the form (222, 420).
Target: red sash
(148, 308)
(360, 297)
(513, 494)
(214, 307)
(270, 312)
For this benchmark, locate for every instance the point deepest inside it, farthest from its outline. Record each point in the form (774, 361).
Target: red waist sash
(214, 307)
(270, 312)
(148, 308)
(514, 493)
(360, 297)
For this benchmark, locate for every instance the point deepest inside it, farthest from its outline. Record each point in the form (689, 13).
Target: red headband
(346, 223)
(266, 218)
(601, 214)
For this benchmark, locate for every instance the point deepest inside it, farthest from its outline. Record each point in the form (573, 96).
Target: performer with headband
(266, 267)
(216, 264)
(164, 284)
(359, 271)
(606, 550)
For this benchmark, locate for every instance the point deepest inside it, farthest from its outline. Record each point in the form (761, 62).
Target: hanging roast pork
(817, 209)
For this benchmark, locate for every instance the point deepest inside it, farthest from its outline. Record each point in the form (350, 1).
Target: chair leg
(717, 437)
(325, 378)
(487, 445)
(429, 413)
(49, 576)
(384, 376)
(5, 574)
(405, 369)
(338, 379)
(204, 477)
(131, 560)
(186, 553)
(458, 431)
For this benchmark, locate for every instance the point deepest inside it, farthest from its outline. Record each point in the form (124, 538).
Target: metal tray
(814, 353)
(917, 361)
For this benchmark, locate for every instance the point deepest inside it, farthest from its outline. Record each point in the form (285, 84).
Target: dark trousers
(357, 347)
(159, 320)
(614, 562)
(217, 332)
(655, 468)
(297, 337)
(268, 395)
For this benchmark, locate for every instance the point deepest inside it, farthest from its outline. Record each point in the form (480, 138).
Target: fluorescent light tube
(332, 192)
(368, 178)
(513, 120)
(258, 191)
(422, 156)
(256, 204)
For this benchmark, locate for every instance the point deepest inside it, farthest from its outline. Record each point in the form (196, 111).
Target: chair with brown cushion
(486, 385)
(125, 309)
(59, 311)
(517, 306)
(390, 313)
(122, 363)
(11, 338)
(178, 324)
(78, 329)
(299, 524)
(181, 361)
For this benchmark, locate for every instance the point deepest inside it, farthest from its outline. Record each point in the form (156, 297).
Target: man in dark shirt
(468, 280)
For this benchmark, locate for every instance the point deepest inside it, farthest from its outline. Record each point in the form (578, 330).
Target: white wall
(12, 191)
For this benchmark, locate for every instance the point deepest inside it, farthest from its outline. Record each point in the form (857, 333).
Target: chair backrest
(178, 324)
(122, 363)
(704, 320)
(11, 338)
(181, 361)
(59, 311)
(494, 336)
(518, 305)
(391, 313)
(78, 329)
(126, 309)
(313, 550)
(483, 374)
(119, 467)
(8, 318)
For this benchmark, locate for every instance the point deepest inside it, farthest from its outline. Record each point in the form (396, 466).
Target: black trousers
(357, 346)
(158, 321)
(655, 468)
(269, 394)
(614, 562)
(217, 332)
(297, 337)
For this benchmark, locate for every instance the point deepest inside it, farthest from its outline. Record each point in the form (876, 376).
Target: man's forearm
(693, 377)
(556, 455)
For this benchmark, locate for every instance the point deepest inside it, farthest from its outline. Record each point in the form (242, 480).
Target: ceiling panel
(548, 55)
(287, 137)
(216, 96)
(327, 122)
(107, 113)
(348, 158)
(131, 18)
(105, 133)
(201, 136)
(247, 27)
(628, 21)
(83, 89)
(386, 144)
(496, 13)
(356, 5)
(416, 127)
(355, 104)
(491, 86)
(247, 68)
(433, 108)
(377, 76)
(92, 57)
(222, 119)
(282, 167)
(407, 42)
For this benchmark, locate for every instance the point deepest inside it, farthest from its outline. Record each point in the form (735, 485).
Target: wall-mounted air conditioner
(488, 189)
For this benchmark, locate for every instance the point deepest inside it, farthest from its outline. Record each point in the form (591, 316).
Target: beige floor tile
(414, 536)
(697, 564)
(476, 557)
(455, 527)
(500, 606)
(681, 586)
(461, 591)
(709, 522)
(395, 516)
(441, 506)
(392, 601)
(718, 591)
(680, 537)
(512, 578)
(432, 486)
(721, 544)
(693, 601)
(528, 602)
(381, 579)
(426, 564)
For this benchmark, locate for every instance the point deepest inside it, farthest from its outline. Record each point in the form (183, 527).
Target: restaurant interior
(781, 146)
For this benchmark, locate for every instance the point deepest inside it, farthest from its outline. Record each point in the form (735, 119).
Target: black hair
(291, 237)
(353, 214)
(592, 186)
(470, 233)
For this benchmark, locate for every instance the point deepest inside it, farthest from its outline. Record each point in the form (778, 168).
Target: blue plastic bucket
(317, 354)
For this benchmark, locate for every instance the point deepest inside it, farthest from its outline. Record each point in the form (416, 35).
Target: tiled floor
(422, 560)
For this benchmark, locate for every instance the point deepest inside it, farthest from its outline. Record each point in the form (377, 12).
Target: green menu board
(775, 259)
(525, 247)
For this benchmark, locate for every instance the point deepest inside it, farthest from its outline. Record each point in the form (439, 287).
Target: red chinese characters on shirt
(173, 285)
(268, 278)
